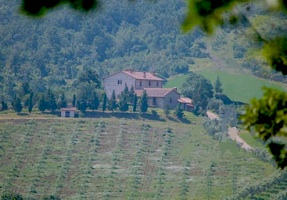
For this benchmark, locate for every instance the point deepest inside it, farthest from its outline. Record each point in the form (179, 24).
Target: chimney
(144, 74)
(175, 89)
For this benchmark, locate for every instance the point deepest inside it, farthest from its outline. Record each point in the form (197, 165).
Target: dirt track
(232, 132)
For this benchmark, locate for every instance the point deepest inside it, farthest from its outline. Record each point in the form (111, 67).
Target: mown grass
(238, 87)
(113, 158)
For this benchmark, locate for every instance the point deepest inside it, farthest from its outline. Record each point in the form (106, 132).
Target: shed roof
(156, 92)
(68, 109)
(185, 100)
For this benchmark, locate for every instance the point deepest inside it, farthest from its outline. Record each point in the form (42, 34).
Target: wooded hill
(51, 52)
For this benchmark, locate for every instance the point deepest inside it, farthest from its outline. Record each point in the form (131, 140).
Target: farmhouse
(152, 84)
(139, 80)
(161, 97)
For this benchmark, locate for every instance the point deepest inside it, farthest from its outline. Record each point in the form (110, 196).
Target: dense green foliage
(51, 52)
(199, 89)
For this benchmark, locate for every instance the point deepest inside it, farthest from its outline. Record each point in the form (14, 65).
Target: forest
(52, 51)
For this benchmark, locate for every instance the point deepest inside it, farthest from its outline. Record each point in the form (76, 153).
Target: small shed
(186, 103)
(68, 112)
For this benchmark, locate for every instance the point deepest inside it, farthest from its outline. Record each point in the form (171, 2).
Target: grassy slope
(121, 159)
(238, 87)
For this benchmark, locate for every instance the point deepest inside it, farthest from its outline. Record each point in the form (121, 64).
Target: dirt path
(232, 132)
(212, 115)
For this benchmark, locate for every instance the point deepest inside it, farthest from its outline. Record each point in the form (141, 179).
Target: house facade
(161, 97)
(139, 80)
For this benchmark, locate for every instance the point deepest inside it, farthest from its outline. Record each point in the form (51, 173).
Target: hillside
(121, 159)
(52, 51)
(237, 86)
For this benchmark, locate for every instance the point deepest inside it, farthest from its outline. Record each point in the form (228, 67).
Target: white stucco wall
(141, 84)
(112, 83)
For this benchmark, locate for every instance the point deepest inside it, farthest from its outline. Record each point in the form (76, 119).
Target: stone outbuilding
(68, 112)
(186, 103)
(161, 97)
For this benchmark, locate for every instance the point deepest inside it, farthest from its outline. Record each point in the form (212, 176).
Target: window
(140, 83)
(170, 100)
(149, 83)
(119, 82)
(157, 83)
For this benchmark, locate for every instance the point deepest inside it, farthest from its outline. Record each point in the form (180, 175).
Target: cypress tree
(135, 101)
(51, 101)
(17, 105)
(144, 102)
(112, 103)
(42, 104)
(30, 107)
(95, 102)
(123, 102)
(218, 85)
(74, 100)
(104, 106)
(62, 103)
(131, 95)
(179, 112)
(4, 105)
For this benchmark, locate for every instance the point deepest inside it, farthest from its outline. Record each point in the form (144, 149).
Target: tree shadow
(23, 114)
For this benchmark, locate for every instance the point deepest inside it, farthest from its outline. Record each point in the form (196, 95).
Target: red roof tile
(142, 75)
(156, 92)
(185, 100)
(139, 75)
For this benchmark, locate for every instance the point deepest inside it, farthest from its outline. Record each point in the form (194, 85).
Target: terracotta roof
(68, 109)
(142, 75)
(156, 92)
(185, 100)
(139, 75)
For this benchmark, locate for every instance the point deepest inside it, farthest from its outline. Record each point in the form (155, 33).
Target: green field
(238, 87)
(112, 158)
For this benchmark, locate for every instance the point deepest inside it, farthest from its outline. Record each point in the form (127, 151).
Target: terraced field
(121, 159)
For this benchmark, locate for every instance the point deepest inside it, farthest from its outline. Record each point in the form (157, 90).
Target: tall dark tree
(144, 102)
(17, 105)
(179, 112)
(112, 102)
(42, 104)
(31, 104)
(131, 94)
(94, 102)
(135, 101)
(82, 105)
(62, 103)
(104, 105)
(123, 101)
(4, 105)
(51, 100)
(74, 100)
(218, 85)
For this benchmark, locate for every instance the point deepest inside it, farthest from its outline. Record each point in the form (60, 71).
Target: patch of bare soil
(233, 134)
(212, 115)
